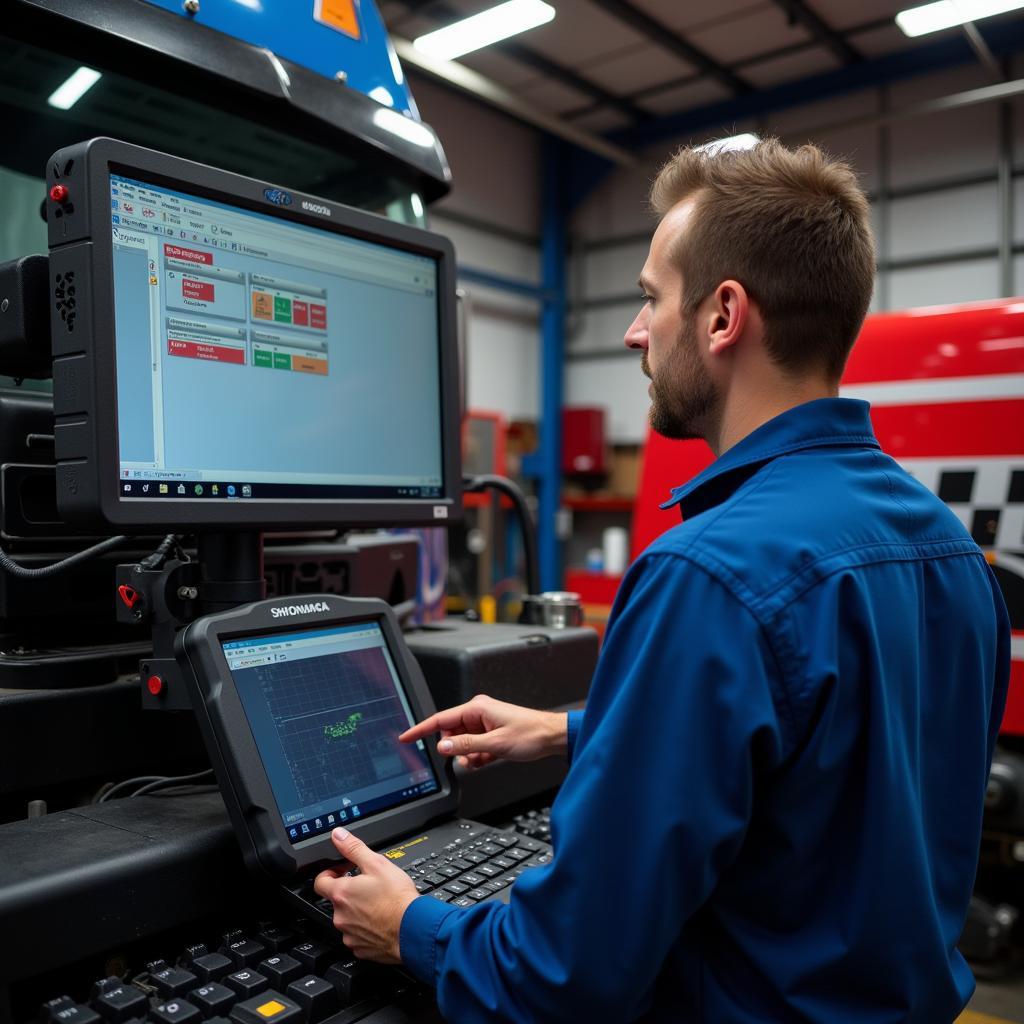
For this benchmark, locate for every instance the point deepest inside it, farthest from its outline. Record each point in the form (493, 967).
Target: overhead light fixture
(404, 127)
(485, 28)
(65, 96)
(748, 140)
(918, 21)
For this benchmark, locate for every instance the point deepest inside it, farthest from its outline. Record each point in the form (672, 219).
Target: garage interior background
(934, 126)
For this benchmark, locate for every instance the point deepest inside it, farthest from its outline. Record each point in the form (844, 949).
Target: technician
(774, 803)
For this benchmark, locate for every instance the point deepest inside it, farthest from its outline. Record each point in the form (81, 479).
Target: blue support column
(553, 277)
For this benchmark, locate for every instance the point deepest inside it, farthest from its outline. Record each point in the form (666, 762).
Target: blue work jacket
(774, 805)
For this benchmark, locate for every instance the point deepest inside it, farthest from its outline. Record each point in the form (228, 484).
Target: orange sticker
(270, 1009)
(338, 14)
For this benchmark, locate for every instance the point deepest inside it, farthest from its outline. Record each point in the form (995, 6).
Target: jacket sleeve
(681, 718)
(575, 721)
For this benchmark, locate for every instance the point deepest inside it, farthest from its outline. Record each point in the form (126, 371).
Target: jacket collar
(822, 423)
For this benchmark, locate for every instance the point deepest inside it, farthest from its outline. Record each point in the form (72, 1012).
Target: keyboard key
(210, 967)
(488, 870)
(516, 854)
(461, 864)
(471, 878)
(175, 1011)
(245, 952)
(530, 844)
(64, 1010)
(479, 894)
(474, 856)
(457, 888)
(212, 1000)
(495, 884)
(422, 886)
(490, 849)
(313, 956)
(505, 841)
(269, 1008)
(247, 983)
(118, 1002)
(172, 981)
(503, 862)
(463, 901)
(276, 938)
(353, 979)
(448, 870)
(440, 894)
(317, 997)
(281, 970)
(434, 878)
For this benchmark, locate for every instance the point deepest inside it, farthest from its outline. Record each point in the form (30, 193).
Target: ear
(728, 316)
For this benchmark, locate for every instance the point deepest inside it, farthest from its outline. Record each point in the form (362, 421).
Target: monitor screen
(326, 707)
(262, 359)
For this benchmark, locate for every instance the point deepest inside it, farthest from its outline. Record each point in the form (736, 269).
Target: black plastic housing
(84, 362)
(232, 748)
(25, 318)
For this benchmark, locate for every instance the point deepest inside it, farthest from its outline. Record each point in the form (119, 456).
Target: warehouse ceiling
(611, 65)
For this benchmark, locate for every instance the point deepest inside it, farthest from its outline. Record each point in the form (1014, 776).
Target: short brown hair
(793, 227)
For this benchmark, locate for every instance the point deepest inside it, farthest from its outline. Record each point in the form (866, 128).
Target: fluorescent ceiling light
(748, 140)
(65, 96)
(917, 21)
(487, 27)
(404, 127)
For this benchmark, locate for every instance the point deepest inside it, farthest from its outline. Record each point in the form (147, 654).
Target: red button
(59, 193)
(155, 685)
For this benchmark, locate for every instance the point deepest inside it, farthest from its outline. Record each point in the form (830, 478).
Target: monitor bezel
(85, 384)
(243, 779)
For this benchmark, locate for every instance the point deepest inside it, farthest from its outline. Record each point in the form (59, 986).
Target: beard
(684, 398)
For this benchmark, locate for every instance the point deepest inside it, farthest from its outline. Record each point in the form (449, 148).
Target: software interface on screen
(259, 358)
(326, 707)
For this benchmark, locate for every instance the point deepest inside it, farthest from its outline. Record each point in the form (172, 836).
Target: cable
(157, 559)
(173, 781)
(510, 488)
(141, 779)
(24, 573)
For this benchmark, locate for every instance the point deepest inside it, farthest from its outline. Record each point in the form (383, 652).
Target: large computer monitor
(228, 354)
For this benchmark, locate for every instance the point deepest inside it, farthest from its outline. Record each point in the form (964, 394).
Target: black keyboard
(535, 823)
(270, 974)
(460, 862)
(479, 866)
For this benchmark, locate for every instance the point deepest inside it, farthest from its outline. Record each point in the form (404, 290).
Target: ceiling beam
(669, 40)
(799, 13)
(465, 79)
(790, 50)
(531, 59)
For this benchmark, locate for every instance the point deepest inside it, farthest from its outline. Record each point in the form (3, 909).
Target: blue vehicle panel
(291, 29)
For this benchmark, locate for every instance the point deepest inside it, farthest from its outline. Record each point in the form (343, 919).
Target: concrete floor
(996, 1002)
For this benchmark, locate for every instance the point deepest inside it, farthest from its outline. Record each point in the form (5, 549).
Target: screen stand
(228, 572)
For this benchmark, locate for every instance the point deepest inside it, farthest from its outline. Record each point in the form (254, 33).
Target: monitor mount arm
(228, 572)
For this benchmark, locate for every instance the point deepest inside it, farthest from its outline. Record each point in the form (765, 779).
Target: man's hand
(368, 907)
(485, 730)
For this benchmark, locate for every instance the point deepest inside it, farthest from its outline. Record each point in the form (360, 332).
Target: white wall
(928, 150)
(492, 216)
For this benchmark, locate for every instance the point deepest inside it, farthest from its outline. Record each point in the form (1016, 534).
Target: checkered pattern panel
(987, 495)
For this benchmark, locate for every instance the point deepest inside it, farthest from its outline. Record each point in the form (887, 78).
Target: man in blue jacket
(774, 802)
